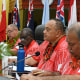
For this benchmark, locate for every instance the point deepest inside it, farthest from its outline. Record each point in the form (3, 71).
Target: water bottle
(20, 56)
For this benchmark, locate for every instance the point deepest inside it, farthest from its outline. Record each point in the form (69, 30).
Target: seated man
(71, 69)
(27, 39)
(12, 36)
(54, 48)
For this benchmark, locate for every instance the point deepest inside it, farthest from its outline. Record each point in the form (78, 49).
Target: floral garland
(48, 52)
(4, 51)
(11, 43)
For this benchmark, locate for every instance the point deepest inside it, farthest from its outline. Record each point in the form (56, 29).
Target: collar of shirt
(29, 45)
(59, 42)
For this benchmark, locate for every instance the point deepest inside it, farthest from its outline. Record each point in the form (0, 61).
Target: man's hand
(24, 77)
(29, 77)
(39, 72)
(11, 60)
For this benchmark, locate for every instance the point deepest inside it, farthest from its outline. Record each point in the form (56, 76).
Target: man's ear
(58, 33)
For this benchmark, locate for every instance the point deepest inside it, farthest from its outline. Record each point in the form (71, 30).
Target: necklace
(48, 52)
(11, 43)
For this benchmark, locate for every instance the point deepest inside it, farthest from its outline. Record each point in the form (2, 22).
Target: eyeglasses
(10, 31)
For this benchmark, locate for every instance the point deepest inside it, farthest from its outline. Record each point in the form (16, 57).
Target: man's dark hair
(59, 25)
(28, 32)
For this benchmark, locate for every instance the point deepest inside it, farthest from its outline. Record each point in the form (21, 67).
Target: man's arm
(14, 51)
(30, 61)
(39, 72)
(64, 77)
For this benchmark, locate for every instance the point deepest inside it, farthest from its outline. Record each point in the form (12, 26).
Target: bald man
(53, 50)
(12, 35)
(71, 69)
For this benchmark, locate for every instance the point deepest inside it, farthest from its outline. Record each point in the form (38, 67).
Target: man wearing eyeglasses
(12, 35)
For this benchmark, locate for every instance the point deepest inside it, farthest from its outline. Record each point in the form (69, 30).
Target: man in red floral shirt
(72, 66)
(12, 35)
(71, 69)
(55, 45)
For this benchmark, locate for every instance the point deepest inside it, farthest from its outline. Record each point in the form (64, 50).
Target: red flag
(3, 23)
(72, 13)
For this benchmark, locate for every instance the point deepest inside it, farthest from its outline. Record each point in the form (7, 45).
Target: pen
(38, 72)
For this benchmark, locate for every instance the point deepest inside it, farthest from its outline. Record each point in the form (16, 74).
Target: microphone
(36, 54)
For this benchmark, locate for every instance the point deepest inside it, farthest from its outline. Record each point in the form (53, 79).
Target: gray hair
(13, 26)
(74, 28)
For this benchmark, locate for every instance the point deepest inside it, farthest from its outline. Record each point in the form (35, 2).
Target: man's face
(50, 32)
(73, 44)
(24, 39)
(10, 33)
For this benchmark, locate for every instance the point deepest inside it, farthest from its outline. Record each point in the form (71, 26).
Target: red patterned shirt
(33, 47)
(58, 53)
(16, 44)
(71, 67)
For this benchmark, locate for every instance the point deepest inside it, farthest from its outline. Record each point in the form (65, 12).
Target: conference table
(12, 74)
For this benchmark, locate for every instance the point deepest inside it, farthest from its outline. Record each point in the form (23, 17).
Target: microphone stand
(13, 63)
(24, 59)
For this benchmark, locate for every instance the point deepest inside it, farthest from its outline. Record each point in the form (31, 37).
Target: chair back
(39, 33)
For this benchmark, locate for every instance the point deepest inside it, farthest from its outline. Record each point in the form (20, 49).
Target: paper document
(25, 68)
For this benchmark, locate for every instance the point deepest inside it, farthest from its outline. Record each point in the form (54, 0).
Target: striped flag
(3, 22)
(45, 17)
(60, 11)
(72, 13)
(30, 22)
(16, 19)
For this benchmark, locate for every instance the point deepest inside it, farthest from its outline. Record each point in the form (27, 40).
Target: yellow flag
(0, 8)
(7, 10)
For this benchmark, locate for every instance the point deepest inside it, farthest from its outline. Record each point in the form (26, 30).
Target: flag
(72, 13)
(60, 11)
(3, 22)
(45, 17)
(16, 19)
(30, 22)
